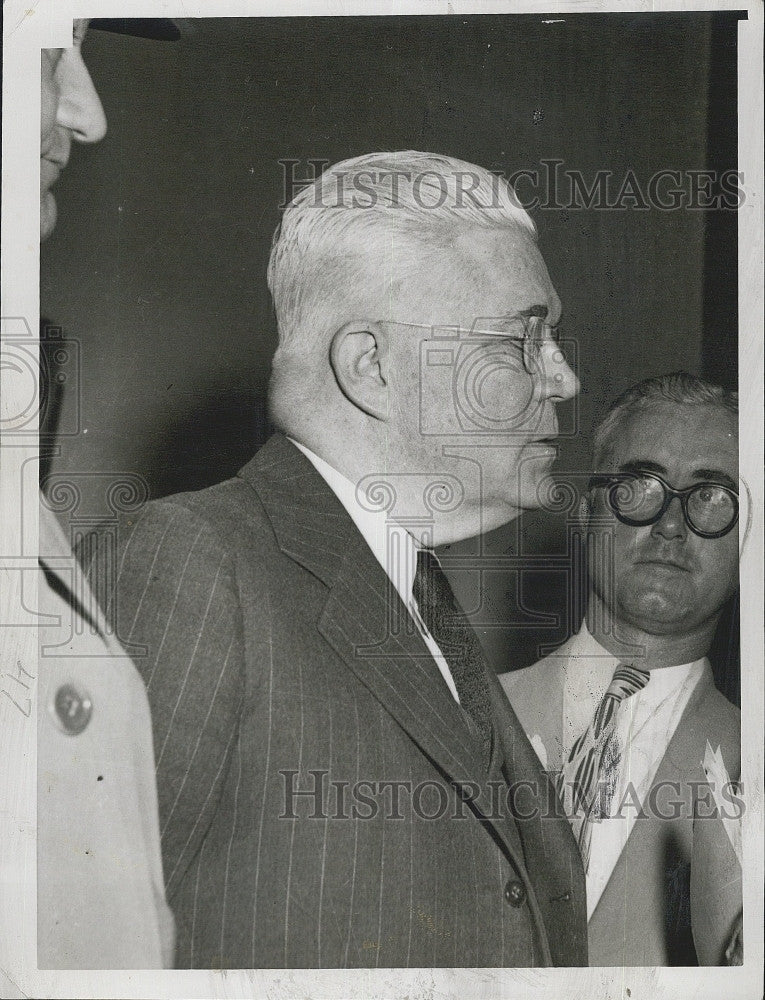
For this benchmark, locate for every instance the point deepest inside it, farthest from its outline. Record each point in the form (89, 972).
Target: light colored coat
(675, 878)
(100, 899)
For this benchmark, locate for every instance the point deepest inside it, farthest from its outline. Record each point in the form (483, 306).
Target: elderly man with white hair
(341, 780)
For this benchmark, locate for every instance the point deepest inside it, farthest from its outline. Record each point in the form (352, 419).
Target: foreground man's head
(417, 326)
(70, 109)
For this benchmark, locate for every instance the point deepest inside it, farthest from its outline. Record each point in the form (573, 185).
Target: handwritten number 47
(18, 680)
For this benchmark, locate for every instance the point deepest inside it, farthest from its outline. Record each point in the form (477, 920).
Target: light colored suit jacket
(100, 898)
(675, 892)
(278, 663)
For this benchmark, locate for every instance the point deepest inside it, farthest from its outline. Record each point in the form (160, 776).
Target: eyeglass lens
(536, 333)
(708, 507)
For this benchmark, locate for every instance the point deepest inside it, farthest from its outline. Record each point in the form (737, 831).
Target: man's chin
(658, 611)
(539, 493)
(496, 515)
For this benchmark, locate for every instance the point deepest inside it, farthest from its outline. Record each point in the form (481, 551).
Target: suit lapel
(364, 620)
(536, 695)
(309, 521)
(548, 695)
(678, 760)
(551, 855)
(368, 626)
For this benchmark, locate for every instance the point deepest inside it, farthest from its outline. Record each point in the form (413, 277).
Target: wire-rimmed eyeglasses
(641, 498)
(531, 333)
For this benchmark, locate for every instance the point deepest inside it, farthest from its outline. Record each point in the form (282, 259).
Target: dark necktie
(454, 636)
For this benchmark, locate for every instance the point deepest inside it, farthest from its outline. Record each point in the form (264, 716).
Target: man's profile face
(70, 108)
(473, 393)
(666, 579)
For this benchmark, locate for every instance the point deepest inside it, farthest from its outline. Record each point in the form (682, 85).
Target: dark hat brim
(160, 28)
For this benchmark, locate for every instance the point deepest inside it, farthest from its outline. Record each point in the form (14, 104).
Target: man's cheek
(625, 543)
(727, 556)
(719, 570)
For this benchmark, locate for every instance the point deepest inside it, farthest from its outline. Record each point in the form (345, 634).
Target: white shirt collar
(591, 667)
(588, 645)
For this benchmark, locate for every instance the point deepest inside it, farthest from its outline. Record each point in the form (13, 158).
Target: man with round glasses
(625, 714)
(640, 498)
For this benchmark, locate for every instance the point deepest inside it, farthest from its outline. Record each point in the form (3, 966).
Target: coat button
(515, 892)
(73, 709)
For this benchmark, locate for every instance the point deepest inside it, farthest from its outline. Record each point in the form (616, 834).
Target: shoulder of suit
(527, 678)
(716, 709)
(220, 513)
(195, 534)
(210, 500)
(708, 719)
(534, 691)
(719, 722)
(721, 706)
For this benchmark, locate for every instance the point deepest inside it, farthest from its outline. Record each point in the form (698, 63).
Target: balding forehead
(460, 274)
(678, 436)
(515, 239)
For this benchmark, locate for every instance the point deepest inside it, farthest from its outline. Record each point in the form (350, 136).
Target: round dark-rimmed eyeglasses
(641, 498)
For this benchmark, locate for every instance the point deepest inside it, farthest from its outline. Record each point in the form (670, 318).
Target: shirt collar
(601, 665)
(588, 672)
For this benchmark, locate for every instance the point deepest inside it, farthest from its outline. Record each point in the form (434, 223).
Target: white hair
(412, 200)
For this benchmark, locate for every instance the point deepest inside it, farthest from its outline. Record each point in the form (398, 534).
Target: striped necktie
(587, 780)
(458, 643)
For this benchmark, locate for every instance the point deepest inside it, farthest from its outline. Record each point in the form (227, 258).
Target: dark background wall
(157, 268)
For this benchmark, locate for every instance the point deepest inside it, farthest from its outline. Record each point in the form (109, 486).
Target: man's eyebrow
(700, 475)
(716, 476)
(542, 312)
(539, 310)
(642, 465)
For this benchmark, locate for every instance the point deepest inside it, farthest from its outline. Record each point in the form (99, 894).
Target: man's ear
(358, 358)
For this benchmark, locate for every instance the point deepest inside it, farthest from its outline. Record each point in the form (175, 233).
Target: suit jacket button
(73, 709)
(515, 892)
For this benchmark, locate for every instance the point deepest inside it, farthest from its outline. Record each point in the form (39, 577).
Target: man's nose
(79, 106)
(558, 380)
(671, 524)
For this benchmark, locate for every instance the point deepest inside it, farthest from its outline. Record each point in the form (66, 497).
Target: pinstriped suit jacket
(261, 622)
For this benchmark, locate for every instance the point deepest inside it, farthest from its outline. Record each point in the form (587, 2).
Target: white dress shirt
(645, 724)
(393, 546)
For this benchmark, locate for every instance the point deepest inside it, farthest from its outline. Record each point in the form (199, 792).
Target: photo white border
(30, 26)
